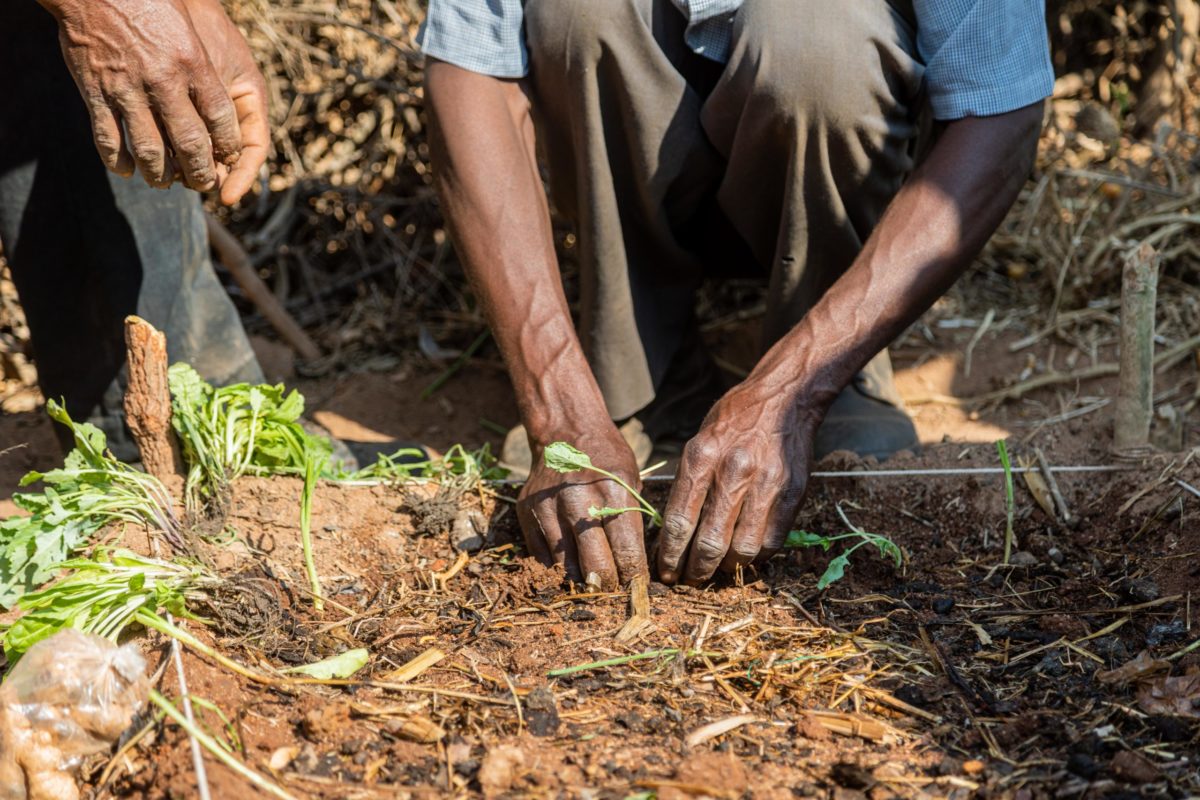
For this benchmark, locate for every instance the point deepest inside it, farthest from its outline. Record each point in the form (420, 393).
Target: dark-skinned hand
(740, 484)
(171, 88)
(553, 511)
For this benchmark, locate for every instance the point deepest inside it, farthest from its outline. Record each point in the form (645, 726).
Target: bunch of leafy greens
(836, 568)
(103, 595)
(91, 490)
(236, 430)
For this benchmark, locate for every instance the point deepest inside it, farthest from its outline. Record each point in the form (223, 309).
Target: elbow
(1027, 129)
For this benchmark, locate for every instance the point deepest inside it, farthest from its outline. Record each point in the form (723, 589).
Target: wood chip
(715, 729)
(415, 667)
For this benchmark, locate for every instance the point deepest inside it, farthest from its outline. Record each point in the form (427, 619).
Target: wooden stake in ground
(1135, 395)
(148, 400)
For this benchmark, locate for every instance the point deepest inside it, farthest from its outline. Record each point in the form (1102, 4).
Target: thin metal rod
(901, 473)
(948, 472)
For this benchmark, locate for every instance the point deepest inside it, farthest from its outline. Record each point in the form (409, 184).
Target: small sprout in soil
(836, 568)
(562, 457)
(1002, 449)
(311, 467)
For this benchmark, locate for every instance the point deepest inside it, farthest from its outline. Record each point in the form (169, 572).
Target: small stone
(1056, 556)
(541, 712)
(1023, 559)
(658, 589)
(582, 615)
(973, 767)
(1083, 765)
(1165, 632)
(1135, 768)
(501, 768)
(1143, 590)
(469, 531)
(943, 605)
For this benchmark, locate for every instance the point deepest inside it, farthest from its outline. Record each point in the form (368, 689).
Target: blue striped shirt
(981, 57)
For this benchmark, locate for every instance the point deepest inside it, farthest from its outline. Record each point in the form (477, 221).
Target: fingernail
(593, 581)
(667, 576)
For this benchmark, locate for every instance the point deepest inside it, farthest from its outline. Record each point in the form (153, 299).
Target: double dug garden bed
(1072, 671)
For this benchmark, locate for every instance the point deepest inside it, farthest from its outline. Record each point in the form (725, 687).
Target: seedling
(836, 568)
(1002, 449)
(311, 468)
(562, 457)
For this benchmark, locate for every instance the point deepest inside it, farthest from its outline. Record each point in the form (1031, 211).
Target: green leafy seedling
(562, 457)
(1009, 503)
(836, 569)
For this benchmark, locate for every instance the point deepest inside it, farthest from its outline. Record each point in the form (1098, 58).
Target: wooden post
(1135, 394)
(148, 399)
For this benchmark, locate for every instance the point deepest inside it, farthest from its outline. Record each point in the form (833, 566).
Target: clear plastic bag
(70, 696)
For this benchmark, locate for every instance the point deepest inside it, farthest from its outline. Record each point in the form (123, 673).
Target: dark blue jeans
(87, 247)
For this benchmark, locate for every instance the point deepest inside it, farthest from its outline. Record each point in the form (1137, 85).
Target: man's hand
(740, 483)
(170, 86)
(553, 511)
(743, 475)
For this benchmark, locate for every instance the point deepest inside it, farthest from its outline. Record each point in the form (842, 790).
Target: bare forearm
(487, 176)
(930, 233)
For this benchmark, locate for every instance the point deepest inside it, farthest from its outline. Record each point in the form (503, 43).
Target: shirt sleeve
(485, 36)
(983, 57)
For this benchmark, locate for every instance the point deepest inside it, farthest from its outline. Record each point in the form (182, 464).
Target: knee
(567, 32)
(812, 62)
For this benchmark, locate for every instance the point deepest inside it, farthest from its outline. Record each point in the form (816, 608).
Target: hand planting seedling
(837, 567)
(562, 457)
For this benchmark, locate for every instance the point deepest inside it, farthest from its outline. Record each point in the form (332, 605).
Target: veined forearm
(487, 177)
(935, 226)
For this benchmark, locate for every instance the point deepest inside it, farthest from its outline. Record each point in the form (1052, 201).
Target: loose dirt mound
(951, 674)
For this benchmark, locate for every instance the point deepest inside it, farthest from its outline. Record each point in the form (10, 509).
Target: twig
(1059, 501)
(975, 339)
(237, 261)
(458, 364)
(185, 695)
(1051, 379)
(620, 660)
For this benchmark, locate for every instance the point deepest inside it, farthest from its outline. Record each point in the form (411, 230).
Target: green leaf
(562, 457)
(833, 572)
(806, 539)
(340, 666)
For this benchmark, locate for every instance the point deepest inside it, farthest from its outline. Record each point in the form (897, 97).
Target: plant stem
(618, 661)
(648, 509)
(1002, 448)
(310, 563)
(209, 744)
(155, 622)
